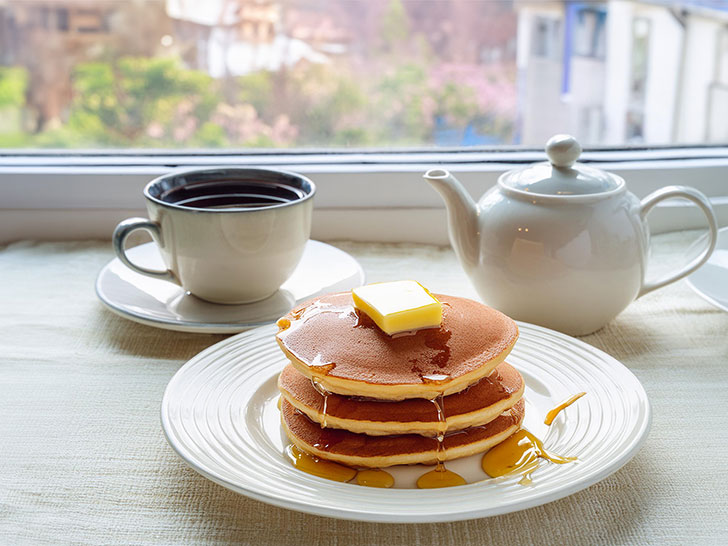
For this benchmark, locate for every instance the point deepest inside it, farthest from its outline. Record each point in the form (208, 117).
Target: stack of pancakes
(355, 395)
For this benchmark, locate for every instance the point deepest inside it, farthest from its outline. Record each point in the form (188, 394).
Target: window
(638, 80)
(354, 73)
(718, 102)
(547, 38)
(589, 32)
(100, 97)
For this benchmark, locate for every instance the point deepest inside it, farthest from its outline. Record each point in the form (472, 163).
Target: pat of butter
(399, 306)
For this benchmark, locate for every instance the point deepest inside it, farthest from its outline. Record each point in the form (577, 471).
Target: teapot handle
(702, 201)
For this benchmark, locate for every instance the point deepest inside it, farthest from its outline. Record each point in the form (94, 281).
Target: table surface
(84, 459)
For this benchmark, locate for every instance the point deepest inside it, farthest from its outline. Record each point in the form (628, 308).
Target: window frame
(370, 195)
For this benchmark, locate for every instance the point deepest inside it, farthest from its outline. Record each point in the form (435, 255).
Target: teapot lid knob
(563, 150)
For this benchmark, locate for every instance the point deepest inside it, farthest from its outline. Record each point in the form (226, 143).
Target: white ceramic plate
(323, 268)
(219, 413)
(711, 280)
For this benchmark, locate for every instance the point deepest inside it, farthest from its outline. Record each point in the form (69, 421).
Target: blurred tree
(395, 30)
(330, 106)
(456, 103)
(404, 105)
(133, 100)
(257, 90)
(13, 85)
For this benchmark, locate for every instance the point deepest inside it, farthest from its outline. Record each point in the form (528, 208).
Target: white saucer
(219, 414)
(154, 302)
(711, 280)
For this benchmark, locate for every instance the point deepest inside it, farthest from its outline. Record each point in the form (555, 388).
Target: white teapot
(559, 243)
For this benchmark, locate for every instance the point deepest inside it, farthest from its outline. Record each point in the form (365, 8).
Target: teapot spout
(462, 216)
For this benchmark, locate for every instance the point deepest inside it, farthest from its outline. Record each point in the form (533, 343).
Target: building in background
(623, 71)
(236, 37)
(50, 37)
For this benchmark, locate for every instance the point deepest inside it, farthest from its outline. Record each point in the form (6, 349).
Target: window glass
(546, 37)
(638, 79)
(589, 31)
(360, 73)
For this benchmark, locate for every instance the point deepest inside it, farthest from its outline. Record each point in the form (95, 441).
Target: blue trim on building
(571, 9)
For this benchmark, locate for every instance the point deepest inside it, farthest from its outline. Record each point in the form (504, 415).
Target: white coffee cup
(227, 235)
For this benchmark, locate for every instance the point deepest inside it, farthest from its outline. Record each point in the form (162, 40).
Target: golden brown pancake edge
(332, 341)
(476, 405)
(382, 451)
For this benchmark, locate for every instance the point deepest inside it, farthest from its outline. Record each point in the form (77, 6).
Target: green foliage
(15, 140)
(211, 135)
(456, 103)
(259, 141)
(156, 102)
(257, 89)
(329, 105)
(402, 96)
(13, 83)
(118, 102)
(395, 26)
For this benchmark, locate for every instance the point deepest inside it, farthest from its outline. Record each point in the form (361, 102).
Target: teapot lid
(561, 175)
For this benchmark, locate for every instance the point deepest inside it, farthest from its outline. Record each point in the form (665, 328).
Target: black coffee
(231, 194)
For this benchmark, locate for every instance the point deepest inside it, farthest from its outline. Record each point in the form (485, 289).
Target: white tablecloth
(83, 458)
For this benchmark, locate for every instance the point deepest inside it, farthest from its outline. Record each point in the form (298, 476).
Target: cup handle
(691, 194)
(123, 230)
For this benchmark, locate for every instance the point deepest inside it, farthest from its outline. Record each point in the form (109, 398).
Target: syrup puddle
(374, 477)
(519, 454)
(440, 477)
(319, 467)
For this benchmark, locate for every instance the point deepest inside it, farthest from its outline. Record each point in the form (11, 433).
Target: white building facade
(623, 72)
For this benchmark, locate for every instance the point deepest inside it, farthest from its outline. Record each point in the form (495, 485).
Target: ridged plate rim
(314, 495)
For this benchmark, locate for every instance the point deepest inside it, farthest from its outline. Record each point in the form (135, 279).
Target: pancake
(476, 405)
(343, 349)
(360, 450)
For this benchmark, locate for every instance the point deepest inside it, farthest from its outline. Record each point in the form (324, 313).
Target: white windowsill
(364, 196)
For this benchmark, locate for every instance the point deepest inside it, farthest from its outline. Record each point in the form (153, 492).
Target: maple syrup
(440, 476)
(374, 477)
(551, 415)
(319, 467)
(520, 453)
(437, 338)
(323, 392)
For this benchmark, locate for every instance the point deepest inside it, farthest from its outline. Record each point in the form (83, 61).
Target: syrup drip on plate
(550, 416)
(370, 477)
(319, 467)
(374, 477)
(520, 453)
(440, 476)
